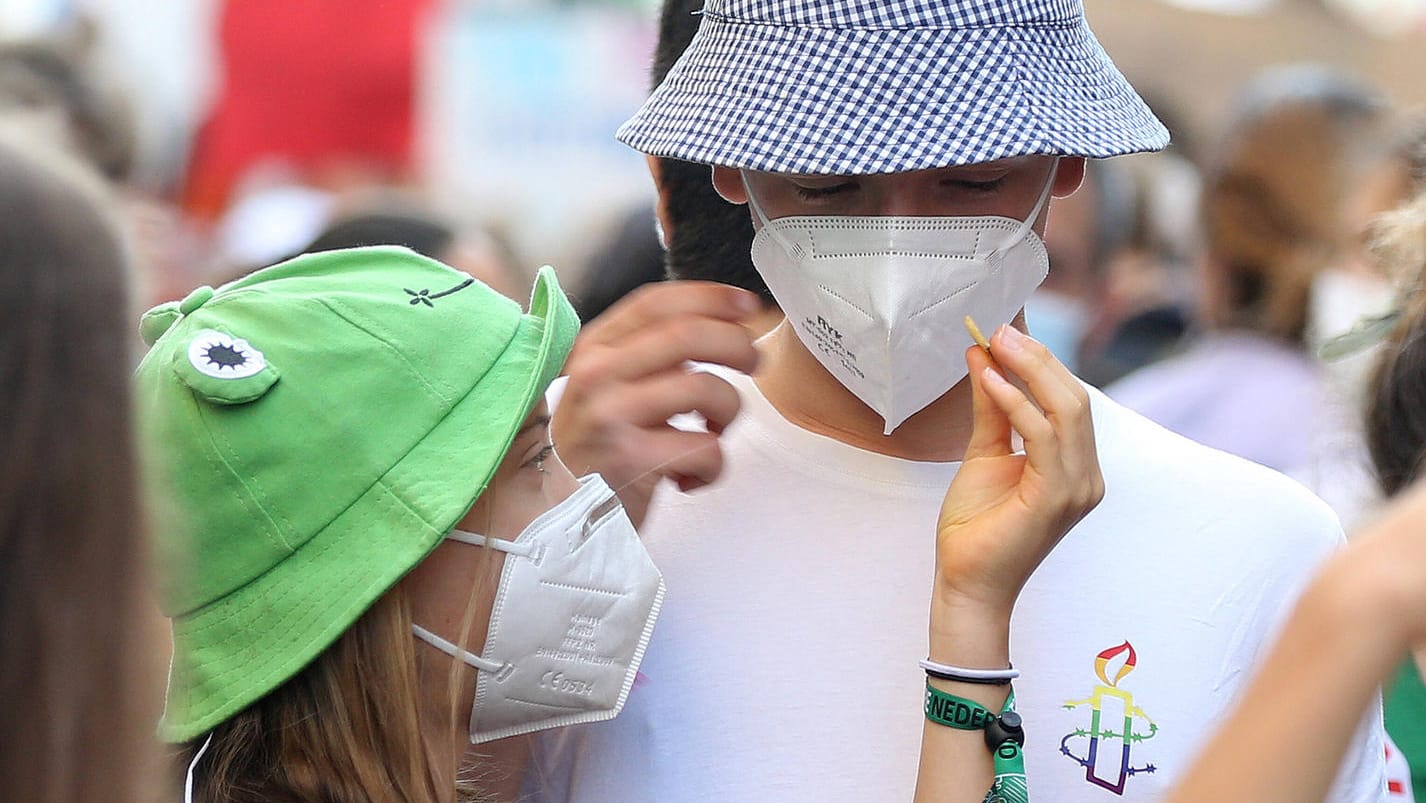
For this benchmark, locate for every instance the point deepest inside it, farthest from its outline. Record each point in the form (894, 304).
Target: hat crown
(325, 371)
(903, 14)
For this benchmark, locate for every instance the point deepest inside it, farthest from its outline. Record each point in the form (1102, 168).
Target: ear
(728, 181)
(661, 205)
(1068, 176)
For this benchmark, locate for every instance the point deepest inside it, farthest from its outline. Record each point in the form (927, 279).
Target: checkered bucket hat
(851, 87)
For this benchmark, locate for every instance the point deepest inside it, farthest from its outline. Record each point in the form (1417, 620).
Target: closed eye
(820, 193)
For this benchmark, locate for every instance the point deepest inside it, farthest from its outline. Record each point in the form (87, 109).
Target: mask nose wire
(1024, 227)
(193, 765)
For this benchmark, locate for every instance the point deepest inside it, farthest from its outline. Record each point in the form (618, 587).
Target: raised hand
(1005, 511)
(628, 374)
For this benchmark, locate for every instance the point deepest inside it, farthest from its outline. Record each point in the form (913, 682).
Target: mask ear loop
(479, 662)
(523, 550)
(1024, 227)
(764, 222)
(192, 765)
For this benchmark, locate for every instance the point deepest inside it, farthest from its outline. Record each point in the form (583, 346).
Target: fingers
(692, 459)
(1054, 418)
(1050, 382)
(656, 303)
(656, 400)
(990, 428)
(669, 343)
(1042, 448)
(628, 374)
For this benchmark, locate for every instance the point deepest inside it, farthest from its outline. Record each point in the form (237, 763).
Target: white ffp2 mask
(576, 605)
(881, 301)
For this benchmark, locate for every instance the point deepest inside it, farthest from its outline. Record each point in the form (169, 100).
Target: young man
(897, 158)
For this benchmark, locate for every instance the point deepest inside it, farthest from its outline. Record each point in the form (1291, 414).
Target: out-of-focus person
(54, 87)
(1366, 611)
(1396, 439)
(1350, 302)
(628, 257)
(1272, 220)
(78, 671)
(1088, 230)
(1143, 313)
(323, 89)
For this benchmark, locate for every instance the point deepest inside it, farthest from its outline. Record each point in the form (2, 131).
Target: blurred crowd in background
(1226, 287)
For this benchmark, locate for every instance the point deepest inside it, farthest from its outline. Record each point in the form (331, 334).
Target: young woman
(373, 558)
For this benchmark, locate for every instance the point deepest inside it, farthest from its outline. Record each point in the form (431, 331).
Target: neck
(804, 393)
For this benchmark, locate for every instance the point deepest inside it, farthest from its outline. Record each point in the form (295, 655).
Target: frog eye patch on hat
(223, 357)
(224, 369)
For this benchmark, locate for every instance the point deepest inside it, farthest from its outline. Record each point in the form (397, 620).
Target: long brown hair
(347, 729)
(76, 718)
(350, 727)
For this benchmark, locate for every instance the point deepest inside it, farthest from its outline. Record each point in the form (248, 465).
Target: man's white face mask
(881, 301)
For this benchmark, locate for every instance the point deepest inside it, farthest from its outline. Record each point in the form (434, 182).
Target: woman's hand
(1004, 512)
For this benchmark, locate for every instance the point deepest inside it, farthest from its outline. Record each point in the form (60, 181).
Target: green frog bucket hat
(313, 431)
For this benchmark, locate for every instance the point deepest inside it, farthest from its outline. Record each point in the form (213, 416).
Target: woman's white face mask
(576, 605)
(881, 301)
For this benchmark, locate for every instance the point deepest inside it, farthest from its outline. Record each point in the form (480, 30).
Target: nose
(905, 199)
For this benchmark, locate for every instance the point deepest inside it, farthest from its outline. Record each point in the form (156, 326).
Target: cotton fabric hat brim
(854, 98)
(236, 650)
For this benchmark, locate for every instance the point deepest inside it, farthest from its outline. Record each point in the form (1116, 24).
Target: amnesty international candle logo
(1105, 764)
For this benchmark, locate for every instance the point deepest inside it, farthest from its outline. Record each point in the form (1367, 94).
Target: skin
(459, 580)
(627, 374)
(1002, 515)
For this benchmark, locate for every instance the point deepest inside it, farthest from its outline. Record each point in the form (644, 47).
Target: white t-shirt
(783, 666)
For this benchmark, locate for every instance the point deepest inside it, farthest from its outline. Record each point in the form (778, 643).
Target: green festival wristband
(1004, 737)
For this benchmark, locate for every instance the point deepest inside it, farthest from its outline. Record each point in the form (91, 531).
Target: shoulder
(1153, 470)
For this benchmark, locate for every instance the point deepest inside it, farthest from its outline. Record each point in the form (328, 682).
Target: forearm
(956, 765)
(1286, 736)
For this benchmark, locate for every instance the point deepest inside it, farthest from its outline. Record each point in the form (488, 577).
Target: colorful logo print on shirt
(1109, 706)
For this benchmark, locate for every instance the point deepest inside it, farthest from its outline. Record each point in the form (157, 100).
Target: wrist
(969, 633)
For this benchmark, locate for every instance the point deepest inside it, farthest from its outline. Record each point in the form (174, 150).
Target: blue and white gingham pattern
(852, 87)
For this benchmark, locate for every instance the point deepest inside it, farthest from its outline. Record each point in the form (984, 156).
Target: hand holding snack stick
(1002, 515)
(1005, 511)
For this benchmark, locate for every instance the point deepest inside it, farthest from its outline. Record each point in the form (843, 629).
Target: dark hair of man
(76, 721)
(711, 239)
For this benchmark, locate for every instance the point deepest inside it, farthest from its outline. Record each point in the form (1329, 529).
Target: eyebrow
(541, 421)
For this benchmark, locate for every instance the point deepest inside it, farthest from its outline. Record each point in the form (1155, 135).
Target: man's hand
(628, 374)
(1004, 511)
